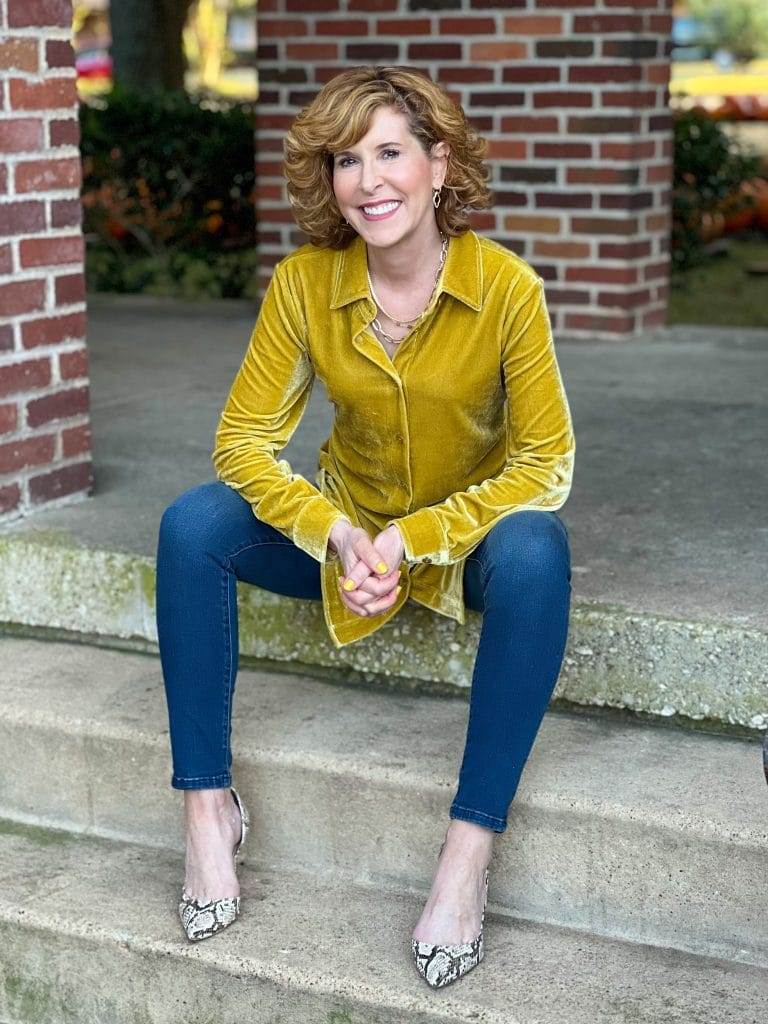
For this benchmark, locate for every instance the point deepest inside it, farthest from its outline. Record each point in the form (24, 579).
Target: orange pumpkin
(760, 192)
(738, 213)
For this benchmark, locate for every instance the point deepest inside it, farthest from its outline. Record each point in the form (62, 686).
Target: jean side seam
(228, 662)
(497, 822)
(479, 562)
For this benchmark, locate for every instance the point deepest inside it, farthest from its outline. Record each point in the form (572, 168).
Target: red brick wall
(572, 96)
(44, 423)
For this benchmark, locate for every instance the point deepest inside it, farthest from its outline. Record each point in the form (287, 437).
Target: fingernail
(349, 585)
(382, 567)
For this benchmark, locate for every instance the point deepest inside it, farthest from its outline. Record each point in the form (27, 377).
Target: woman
(450, 415)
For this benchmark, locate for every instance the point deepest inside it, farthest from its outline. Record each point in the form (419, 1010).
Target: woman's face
(388, 163)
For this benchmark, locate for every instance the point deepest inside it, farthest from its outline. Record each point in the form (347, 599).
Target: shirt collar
(462, 274)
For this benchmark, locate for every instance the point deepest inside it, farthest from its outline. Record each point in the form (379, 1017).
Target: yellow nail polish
(382, 567)
(349, 585)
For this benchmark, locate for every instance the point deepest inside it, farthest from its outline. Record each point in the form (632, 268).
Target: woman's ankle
(207, 805)
(468, 836)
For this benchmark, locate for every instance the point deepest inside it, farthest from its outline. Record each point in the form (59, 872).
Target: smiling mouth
(381, 209)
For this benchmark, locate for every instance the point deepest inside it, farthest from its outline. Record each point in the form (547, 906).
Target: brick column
(44, 402)
(573, 98)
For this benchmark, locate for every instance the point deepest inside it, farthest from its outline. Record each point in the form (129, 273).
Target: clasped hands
(372, 565)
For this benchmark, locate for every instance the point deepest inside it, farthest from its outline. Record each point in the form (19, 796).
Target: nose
(370, 178)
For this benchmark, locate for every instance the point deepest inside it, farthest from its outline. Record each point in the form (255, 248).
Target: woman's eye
(343, 161)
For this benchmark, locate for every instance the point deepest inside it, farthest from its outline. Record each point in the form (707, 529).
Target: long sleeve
(540, 446)
(264, 407)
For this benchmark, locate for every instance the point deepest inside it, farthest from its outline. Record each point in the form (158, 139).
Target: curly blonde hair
(340, 115)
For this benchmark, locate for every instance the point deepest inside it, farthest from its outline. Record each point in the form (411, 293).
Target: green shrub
(709, 169)
(168, 193)
(225, 275)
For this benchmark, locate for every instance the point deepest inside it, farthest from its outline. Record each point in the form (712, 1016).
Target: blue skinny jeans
(519, 578)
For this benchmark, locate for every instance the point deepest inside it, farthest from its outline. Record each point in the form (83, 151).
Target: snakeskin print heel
(438, 964)
(203, 919)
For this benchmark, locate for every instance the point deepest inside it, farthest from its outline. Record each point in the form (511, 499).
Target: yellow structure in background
(705, 78)
(219, 42)
(205, 36)
(208, 39)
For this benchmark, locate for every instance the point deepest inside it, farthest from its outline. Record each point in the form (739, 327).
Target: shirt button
(427, 559)
(399, 437)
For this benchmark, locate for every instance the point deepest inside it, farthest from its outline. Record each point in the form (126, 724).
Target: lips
(379, 202)
(381, 216)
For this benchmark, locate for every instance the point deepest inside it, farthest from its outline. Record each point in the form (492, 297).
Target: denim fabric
(519, 578)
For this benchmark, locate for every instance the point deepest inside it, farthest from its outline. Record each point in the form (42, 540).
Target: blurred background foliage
(737, 26)
(168, 194)
(718, 188)
(719, 103)
(168, 96)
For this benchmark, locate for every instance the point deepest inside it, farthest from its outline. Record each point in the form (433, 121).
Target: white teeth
(385, 208)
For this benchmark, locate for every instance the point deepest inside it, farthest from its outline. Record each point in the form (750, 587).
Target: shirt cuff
(423, 537)
(313, 526)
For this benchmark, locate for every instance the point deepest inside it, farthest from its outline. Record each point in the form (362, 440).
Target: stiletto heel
(440, 964)
(201, 919)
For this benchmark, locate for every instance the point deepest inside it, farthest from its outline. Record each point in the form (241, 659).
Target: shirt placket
(369, 347)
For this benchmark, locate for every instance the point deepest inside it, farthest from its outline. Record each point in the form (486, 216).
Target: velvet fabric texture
(467, 423)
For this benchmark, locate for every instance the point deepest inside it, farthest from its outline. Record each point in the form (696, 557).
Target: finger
(360, 571)
(370, 557)
(376, 586)
(356, 601)
(354, 574)
(381, 604)
(358, 609)
(369, 590)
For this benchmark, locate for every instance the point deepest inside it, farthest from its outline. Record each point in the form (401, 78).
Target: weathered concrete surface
(666, 517)
(630, 831)
(306, 950)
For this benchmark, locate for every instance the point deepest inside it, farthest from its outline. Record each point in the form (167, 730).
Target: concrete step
(651, 834)
(89, 933)
(81, 584)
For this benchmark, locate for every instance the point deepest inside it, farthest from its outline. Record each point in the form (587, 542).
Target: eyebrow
(381, 145)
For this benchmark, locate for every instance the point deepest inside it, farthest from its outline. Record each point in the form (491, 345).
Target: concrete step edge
(615, 657)
(677, 820)
(305, 945)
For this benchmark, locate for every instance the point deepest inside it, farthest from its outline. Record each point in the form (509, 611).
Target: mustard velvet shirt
(468, 423)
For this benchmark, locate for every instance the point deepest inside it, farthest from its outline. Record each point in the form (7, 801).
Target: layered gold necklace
(407, 323)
